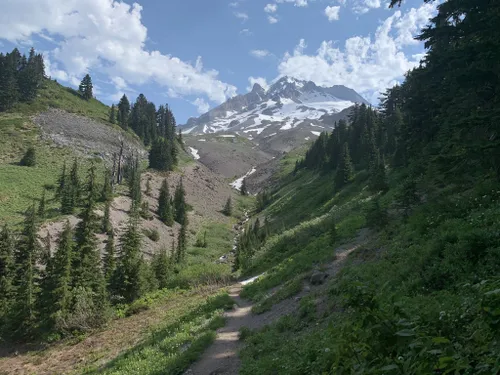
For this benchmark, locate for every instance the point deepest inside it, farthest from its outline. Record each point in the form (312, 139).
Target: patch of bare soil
(222, 357)
(206, 192)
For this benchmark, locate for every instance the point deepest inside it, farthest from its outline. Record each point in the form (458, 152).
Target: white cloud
(297, 3)
(364, 6)
(412, 22)
(271, 8)
(259, 80)
(246, 32)
(367, 64)
(260, 53)
(272, 19)
(341, 2)
(234, 4)
(242, 16)
(108, 37)
(332, 13)
(202, 105)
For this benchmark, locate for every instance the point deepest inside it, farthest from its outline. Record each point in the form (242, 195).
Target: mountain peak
(257, 88)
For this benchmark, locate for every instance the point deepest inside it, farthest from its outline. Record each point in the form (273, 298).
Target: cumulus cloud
(105, 36)
(202, 105)
(332, 13)
(242, 16)
(364, 6)
(270, 8)
(367, 64)
(272, 19)
(259, 80)
(297, 3)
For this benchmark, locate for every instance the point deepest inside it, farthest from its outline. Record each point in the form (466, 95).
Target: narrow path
(222, 356)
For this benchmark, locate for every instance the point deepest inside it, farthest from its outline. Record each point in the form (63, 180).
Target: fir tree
(107, 188)
(161, 268)
(86, 87)
(181, 244)
(112, 114)
(109, 260)
(41, 206)
(106, 220)
(243, 189)
(228, 207)
(29, 158)
(129, 272)
(87, 262)
(61, 181)
(74, 187)
(345, 170)
(59, 278)
(7, 272)
(180, 204)
(148, 187)
(9, 89)
(165, 211)
(123, 112)
(23, 317)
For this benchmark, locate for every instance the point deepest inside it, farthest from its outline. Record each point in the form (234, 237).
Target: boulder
(318, 278)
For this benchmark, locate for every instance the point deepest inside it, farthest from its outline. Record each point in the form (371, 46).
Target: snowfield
(194, 152)
(237, 183)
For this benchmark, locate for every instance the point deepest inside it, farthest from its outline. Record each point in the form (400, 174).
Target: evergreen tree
(74, 188)
(123, 112)
(243, 189)
(61, 181)
(228, 207)
(161, 268)
(86, 87)
(109, 260)
(180, 140)
(87, 261)
(106, 220)
(23, 317)
(112, 114)
(29, 158)
(41, 206)
(7, 272)
(107, 188)
(345, 170)
(134, 183)
(29, 78)
(148, 186)
(181, 244)
(165, 210)
(129, 273)
(160, 155)
(180, 207)
(9, 89)
(59, 278)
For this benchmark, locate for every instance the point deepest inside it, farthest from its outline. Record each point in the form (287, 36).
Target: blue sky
(194, 54)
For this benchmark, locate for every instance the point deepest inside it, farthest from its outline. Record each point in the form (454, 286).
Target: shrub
(29, 158)
(152, 234)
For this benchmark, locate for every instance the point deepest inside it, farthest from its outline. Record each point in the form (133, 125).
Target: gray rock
(318, 278)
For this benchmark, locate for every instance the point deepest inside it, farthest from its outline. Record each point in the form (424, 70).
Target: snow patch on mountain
(239, 182)
(194, 152)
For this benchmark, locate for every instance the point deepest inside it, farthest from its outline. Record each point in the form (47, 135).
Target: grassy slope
(20, 186)
(422, 296)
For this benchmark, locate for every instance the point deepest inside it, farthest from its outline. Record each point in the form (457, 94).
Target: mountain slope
(290, 105)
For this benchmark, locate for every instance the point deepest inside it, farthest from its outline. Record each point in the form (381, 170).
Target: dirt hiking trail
(221, 358)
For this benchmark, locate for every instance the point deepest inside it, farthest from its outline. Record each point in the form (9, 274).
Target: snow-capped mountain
(288, 104)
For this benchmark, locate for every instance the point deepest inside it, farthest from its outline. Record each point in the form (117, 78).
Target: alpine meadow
(341, 218)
